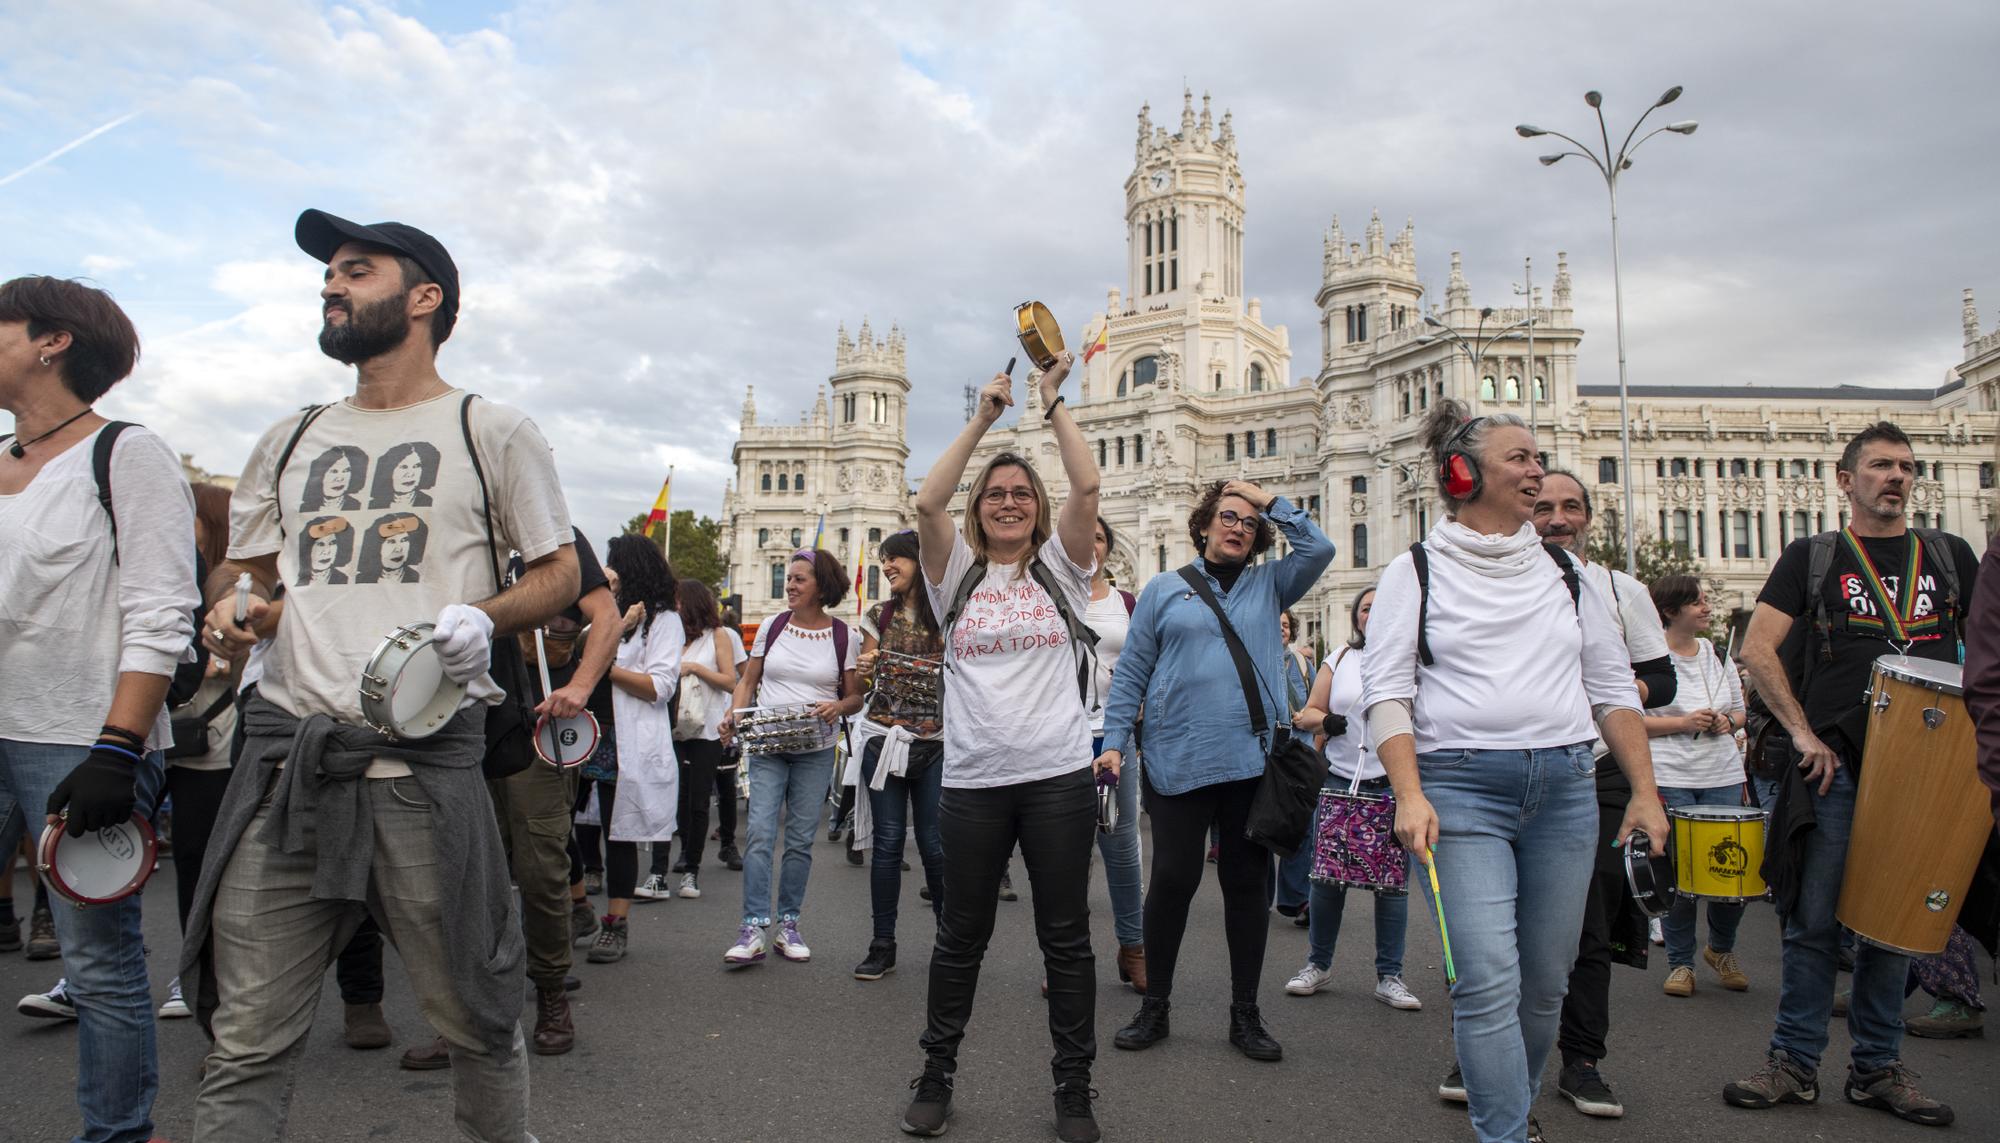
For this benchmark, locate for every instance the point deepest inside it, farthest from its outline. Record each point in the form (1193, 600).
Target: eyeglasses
(1246, 521)
(999, 496)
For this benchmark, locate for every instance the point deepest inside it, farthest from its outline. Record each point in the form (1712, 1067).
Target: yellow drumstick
(1444, 934)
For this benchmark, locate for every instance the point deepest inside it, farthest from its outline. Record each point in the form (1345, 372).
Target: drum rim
(45, 865)
(1718, 813)
(1636, 858)
(380, 713)
(1892, 667)
(596, 736)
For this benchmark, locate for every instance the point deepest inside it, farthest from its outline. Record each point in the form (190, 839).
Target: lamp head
(1684, 127)
(1552, 160)
(1431, 320)
(1594, 98)
(1528, 131)
(1672, 94)
(1485, 312)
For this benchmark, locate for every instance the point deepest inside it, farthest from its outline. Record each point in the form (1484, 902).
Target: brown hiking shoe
(1727, 968)
(428, 1058)
(1778, 1081)
(366, 1028)
(1132, 967)
(1894, 1089)
(554, 1032)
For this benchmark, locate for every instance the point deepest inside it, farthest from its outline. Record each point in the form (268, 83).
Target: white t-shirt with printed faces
(801, 667)
(376, 522)
(1011, 709)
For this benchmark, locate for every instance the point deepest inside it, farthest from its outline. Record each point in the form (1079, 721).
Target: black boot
(881, 960)
(1149, 1027)
(1246, 1032)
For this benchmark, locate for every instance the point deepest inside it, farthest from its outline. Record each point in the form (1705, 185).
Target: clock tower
(1184, 212)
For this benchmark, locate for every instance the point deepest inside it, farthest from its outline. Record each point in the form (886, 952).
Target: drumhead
(413, 689)
(1930, 674)
(566, 741)
(404, 690)
(103, 865)
(1715, 813)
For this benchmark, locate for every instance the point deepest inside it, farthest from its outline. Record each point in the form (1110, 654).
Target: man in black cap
(329, 816)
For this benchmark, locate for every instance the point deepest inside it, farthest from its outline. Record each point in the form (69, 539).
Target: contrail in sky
(66, 148)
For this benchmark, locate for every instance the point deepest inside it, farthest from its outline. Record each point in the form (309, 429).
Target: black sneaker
(928, 1112)
(1147, 1028)
(728, 856)
(1451, 1088)
(1582, 1085)
(854, 856)
(1074, 1121)
(880, 962)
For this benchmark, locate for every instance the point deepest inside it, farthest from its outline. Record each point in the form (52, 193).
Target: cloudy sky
(654, 205)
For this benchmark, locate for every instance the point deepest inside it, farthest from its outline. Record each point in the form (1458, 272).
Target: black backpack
(1422, 560)
(1080, 634)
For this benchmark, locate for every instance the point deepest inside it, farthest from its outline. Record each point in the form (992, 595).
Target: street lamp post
(1610, 165)
(1476, 348)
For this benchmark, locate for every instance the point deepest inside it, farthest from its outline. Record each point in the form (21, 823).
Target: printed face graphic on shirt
(391, 548)
(324, 546)
(332, 478)
(403, 476)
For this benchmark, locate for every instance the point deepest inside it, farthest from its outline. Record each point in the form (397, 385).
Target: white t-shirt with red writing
(1012, 713)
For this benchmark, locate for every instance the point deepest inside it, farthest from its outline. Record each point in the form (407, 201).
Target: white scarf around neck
(1496, 557)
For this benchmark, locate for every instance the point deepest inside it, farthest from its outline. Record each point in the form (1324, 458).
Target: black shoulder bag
(1282, 809)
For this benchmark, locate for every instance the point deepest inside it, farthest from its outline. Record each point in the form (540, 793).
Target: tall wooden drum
(1921, 815)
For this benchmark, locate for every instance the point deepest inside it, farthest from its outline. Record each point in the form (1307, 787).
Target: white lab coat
(648, 803)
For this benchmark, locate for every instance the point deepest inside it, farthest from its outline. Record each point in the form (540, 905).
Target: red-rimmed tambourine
(566, 742)
(102, 866)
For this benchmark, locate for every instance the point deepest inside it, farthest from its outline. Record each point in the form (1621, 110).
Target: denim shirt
(1197, 727)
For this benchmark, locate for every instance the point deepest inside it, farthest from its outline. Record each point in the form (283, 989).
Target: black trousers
(725, 798)
(1586, 1014)
(698, 759)
(1181, 825)
(1055, 823)
(621, 858)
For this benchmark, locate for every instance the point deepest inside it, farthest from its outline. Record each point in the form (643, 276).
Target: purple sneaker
(749, 946)
(791, 946)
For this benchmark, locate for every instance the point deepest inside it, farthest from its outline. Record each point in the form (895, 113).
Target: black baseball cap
(321, 234)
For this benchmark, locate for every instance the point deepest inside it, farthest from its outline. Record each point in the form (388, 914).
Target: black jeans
(1586, 1014)
(197, 795)
(621, 858)
(899, 807)
(698, 759)
(1181, 824)
(725, 798)
(359, 969)
(1055, 823)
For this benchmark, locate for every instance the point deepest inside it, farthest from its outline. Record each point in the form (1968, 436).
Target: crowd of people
(1527, 715)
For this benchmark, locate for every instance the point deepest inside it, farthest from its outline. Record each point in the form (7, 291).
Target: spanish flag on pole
(1092, 346)
(661, 515)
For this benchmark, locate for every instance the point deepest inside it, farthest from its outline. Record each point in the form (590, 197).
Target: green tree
(695, 552)
(1658, 558)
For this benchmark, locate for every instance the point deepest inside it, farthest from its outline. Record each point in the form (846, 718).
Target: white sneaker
(689, 887)
(54, 1004)
(1310, 979)
(1656, 931)
(654, 888)
(791, 946)
(1392, 991)
(176, 1008)
(749, 947)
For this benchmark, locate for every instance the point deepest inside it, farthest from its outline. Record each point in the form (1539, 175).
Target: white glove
(464, 640)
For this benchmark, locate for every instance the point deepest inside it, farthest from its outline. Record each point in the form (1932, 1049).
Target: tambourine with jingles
(1041, 337)
(1650, 878)
(566, 742)
(100, 867)
(404, 690)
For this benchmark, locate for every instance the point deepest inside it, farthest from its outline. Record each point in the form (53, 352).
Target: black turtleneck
(1226, 574)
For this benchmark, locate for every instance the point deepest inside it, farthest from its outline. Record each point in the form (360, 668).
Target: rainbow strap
(1897, 623)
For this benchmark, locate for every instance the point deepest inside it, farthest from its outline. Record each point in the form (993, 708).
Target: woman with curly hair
(333, 479)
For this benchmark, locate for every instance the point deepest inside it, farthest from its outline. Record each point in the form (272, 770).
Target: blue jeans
(1120, 851)
(1811, 957)
(893, 806)
(1516, 831)
(1328, 902)
(1292, 888)
(104, 957)
(795, 784)
(1723, 916)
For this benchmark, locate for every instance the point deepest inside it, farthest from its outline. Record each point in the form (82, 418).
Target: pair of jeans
(1052, 821)
(699, 758)
(272, 940)
(1811, 957)
(533, 808)
(1724, 917)
(1291, 888)
(1328, 902)
(104, 958)
(796, 786)
(1516, 829)
(901, 805)
(1120, 851)
(1181, 824)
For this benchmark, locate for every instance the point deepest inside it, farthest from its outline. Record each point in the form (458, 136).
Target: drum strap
(312, 413)
(1819, 565)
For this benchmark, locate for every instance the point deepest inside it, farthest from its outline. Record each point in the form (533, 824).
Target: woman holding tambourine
(1492, 666)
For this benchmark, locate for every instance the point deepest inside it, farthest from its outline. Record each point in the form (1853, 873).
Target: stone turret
(1562, 294)
(1458, 295)
(749, 406)
(1969, 319)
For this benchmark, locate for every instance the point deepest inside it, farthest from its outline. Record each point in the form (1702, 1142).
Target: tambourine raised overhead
(1041, 337)
(102, 866)
(404, 690)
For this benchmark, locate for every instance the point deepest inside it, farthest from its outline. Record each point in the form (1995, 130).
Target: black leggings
(725, 798)
(621, 858)
(1180, 848)
(698, 757)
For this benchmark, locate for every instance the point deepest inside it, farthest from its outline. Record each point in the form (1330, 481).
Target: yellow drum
(1718, 852)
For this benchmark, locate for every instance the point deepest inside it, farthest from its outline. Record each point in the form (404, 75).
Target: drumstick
(1444, 934)
(542, 663)
(1009, 371)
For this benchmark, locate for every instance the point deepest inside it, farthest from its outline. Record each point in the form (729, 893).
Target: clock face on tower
(1230, 184)
(1160, 179)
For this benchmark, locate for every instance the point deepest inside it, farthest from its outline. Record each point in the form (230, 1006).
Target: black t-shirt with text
(1833, 696)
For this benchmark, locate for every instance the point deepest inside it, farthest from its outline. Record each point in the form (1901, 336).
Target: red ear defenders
(1459, 476)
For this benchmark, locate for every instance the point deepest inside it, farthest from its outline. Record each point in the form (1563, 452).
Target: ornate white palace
(1193, 387)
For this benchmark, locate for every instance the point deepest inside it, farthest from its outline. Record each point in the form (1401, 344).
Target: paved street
(672, 1046)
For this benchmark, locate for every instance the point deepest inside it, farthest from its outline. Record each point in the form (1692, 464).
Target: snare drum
(1718, 852)
(1354, 843)
(788, 729)
(404, 690)
(566, 742)
(100, 867)
(1921, 816)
